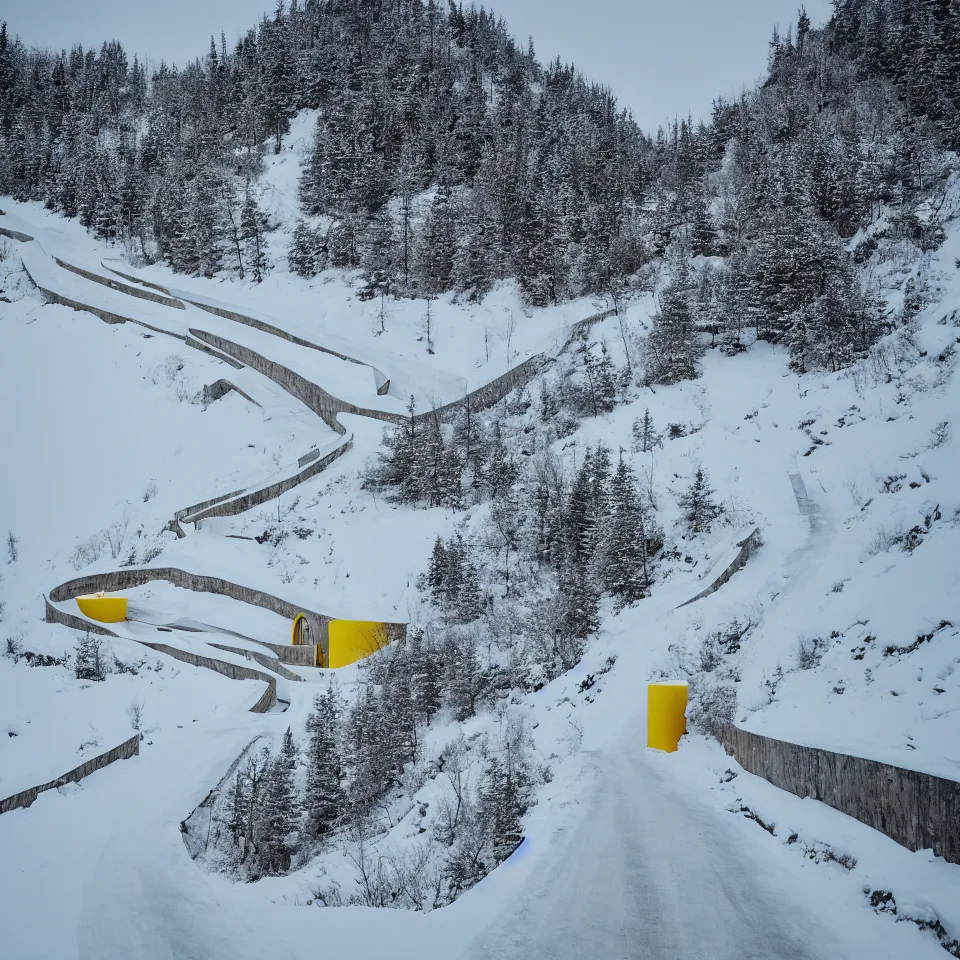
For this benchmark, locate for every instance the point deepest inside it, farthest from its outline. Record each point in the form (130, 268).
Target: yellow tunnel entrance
(352, 640)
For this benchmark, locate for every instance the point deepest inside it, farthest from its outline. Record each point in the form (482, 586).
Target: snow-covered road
(651, 872)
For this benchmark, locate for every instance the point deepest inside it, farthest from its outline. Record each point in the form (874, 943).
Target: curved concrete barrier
(747, 546)
(237, 503)
(917, 810)
(15, 235)
(234, 671)
(121, 287)
(126, 750)
(131, 577)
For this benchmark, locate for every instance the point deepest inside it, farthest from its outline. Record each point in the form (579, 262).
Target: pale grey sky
(661, 57)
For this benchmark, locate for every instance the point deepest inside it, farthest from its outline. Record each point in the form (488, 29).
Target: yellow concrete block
(105, 609)
(352, 640)
(666, 715)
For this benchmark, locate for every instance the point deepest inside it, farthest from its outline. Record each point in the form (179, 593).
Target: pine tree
(699, 511)
(252, 227)
(503, 805)
(324, 799)
(624, 564)
(280, 813)
(672, 347)
(645, 435)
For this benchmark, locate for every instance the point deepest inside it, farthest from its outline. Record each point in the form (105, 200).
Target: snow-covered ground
(104, 437)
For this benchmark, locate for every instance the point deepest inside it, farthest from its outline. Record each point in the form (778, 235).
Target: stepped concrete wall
(918, 810)
(126, 750)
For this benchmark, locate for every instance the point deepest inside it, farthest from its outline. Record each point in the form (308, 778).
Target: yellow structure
(666, 715)
(98, 606)
(352, 640)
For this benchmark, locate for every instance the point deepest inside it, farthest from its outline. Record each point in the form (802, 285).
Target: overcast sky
(661, 57)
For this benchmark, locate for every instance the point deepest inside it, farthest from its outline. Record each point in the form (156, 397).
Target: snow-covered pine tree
(280, 813)
(324, 800)
(253, 224)
(645, 435)
(624, 563)
(698, 508)
(672, 347)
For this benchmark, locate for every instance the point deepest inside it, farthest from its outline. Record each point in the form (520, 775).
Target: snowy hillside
(699, 425)
(846, 613)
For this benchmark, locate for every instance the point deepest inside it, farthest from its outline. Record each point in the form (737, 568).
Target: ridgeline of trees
(446, 157)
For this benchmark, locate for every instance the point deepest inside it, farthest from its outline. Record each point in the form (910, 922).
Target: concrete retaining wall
(917, 810)
(131, 577)
(234, 672)
(220, 388)
(121, 287)
(747, 546)
(383, 384)
(493, 392)
(230, 508)
(323, 404)
(145, 283)
(271, 663)
(15, 235)
(126, 750)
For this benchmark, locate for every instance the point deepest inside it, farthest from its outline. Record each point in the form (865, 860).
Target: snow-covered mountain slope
(848, 624)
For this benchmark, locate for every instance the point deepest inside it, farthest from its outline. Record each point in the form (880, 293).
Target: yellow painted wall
(352, 640)
(103, 608)
(666, 715)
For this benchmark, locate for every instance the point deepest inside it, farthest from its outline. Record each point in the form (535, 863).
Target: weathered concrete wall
(121, 287)
(127, 276)
(224, 507)
(917, 810)
(383, 384)
(303, 655)
(126, 750)
(493, 392)
(15, 235)
(51, 296)
(220, 388)
(56, 615)
(233, 671)
(271, 663)
(323, 404)
(132, 577)
(747, 546)
(210, 352)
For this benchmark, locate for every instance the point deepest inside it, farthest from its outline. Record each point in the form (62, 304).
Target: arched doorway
(301, 631)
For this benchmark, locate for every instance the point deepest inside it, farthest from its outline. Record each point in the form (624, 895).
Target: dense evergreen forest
(446, 157)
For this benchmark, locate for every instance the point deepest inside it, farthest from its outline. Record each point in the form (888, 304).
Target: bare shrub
(712, 706)
(810, 652)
